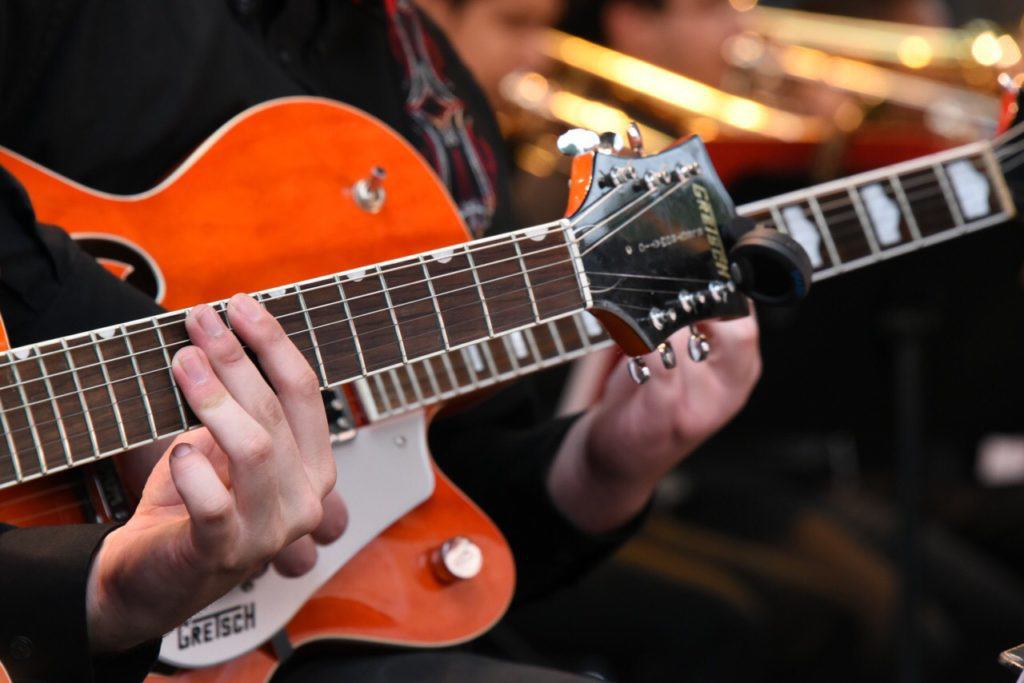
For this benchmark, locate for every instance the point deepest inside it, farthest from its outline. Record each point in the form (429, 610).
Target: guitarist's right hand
(223, 501)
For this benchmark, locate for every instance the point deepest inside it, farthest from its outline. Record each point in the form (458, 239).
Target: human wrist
(106, 630)
(595, 497)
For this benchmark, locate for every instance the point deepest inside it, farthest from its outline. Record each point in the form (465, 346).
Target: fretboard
(87, 396)
(856, 221)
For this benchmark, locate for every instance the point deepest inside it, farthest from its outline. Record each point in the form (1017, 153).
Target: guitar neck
(74, 400)
(866, 218)
(844, 225)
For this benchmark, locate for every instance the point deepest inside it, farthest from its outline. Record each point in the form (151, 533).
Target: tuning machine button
(577, 141)
(719, 291)
(698, 347)
(687, 301)
(635, 138)
(638, 370)
(668, 355)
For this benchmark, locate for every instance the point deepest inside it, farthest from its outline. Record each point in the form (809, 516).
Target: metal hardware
(635, 138)
(618, 175)
(638, 370)
(686, 172)
(698, 347)
(1008, 83)
(458, 559)
(369, 193)
(577, 141)
(719, 291)
(659, 316)
(340, 420)
(687, 301)
(611, 143)
(668, 355)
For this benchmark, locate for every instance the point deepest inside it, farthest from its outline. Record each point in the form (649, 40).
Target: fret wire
(506, 340)
(170, 375)
(351, 325)
(437, 306)
(138, 379)
(470, 370)
(81, 399)
(312, 335)
(488, 358)
(998, 179)
(526, 277)
(954, 206)
(826, 234)
(480, 290)
(398, 388)
(557, 336)
(581, 329)
(44, 468)
(110, 391)
(57, 414)
(531, 344)
(9, 435)
(780, 224)
(383, 393)
(905, 207)
(414, 384)
(447, 362)
(867, 227)
(432, 377)
(394, 318)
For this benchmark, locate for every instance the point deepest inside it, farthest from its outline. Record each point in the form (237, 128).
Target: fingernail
(247, 307)
(181, 450)
(193, 366)
(209, 321)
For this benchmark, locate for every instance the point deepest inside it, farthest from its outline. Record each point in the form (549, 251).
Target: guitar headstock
(649, 233)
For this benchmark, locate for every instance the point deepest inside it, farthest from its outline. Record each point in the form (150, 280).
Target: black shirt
(113, 94)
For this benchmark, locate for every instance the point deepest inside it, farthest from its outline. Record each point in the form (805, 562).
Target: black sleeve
(43, 629)
(49, 288)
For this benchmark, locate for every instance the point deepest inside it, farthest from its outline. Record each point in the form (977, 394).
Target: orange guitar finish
(267, 201)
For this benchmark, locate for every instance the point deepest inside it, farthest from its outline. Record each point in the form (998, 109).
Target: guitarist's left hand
(612, 458)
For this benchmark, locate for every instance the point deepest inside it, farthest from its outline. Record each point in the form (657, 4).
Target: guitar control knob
(638, 370)
(458, 559)
(369, 193)
(668, 355)
(698, 347)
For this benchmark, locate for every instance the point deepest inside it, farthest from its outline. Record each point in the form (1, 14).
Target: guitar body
(269, 199)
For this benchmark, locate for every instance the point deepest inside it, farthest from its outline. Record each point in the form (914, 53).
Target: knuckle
(257, 447)
(211, 399)
(304, 383)
(268, 410)
(216, 512)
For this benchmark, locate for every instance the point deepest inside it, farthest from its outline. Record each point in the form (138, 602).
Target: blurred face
(685, 36)
(496, 37)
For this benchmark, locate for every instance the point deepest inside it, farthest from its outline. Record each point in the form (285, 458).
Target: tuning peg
(578, 141)
(668, 355)
(638, 370)
(635, 138)
(660, 316)
(1008, 83)
(699, 347)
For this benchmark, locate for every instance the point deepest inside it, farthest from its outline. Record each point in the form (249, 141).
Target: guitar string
(543, 354)
(590, 248)
(417, 266)
(309, 330)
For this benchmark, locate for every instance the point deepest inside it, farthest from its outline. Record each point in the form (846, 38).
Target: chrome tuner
(369, 193)
(660, 316)
(687, 301)
(577, 141)
(1008, 83)
(635, 138)
(699, 347)
(610, 142)
(668, 355)
(638, 370)
(719, 291)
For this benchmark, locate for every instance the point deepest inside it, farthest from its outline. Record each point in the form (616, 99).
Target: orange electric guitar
(432, 569)
(440, 573)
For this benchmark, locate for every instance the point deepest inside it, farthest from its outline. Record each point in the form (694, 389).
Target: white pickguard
(383, 473)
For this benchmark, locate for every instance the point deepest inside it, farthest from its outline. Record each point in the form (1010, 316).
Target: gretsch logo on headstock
(711, 232)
